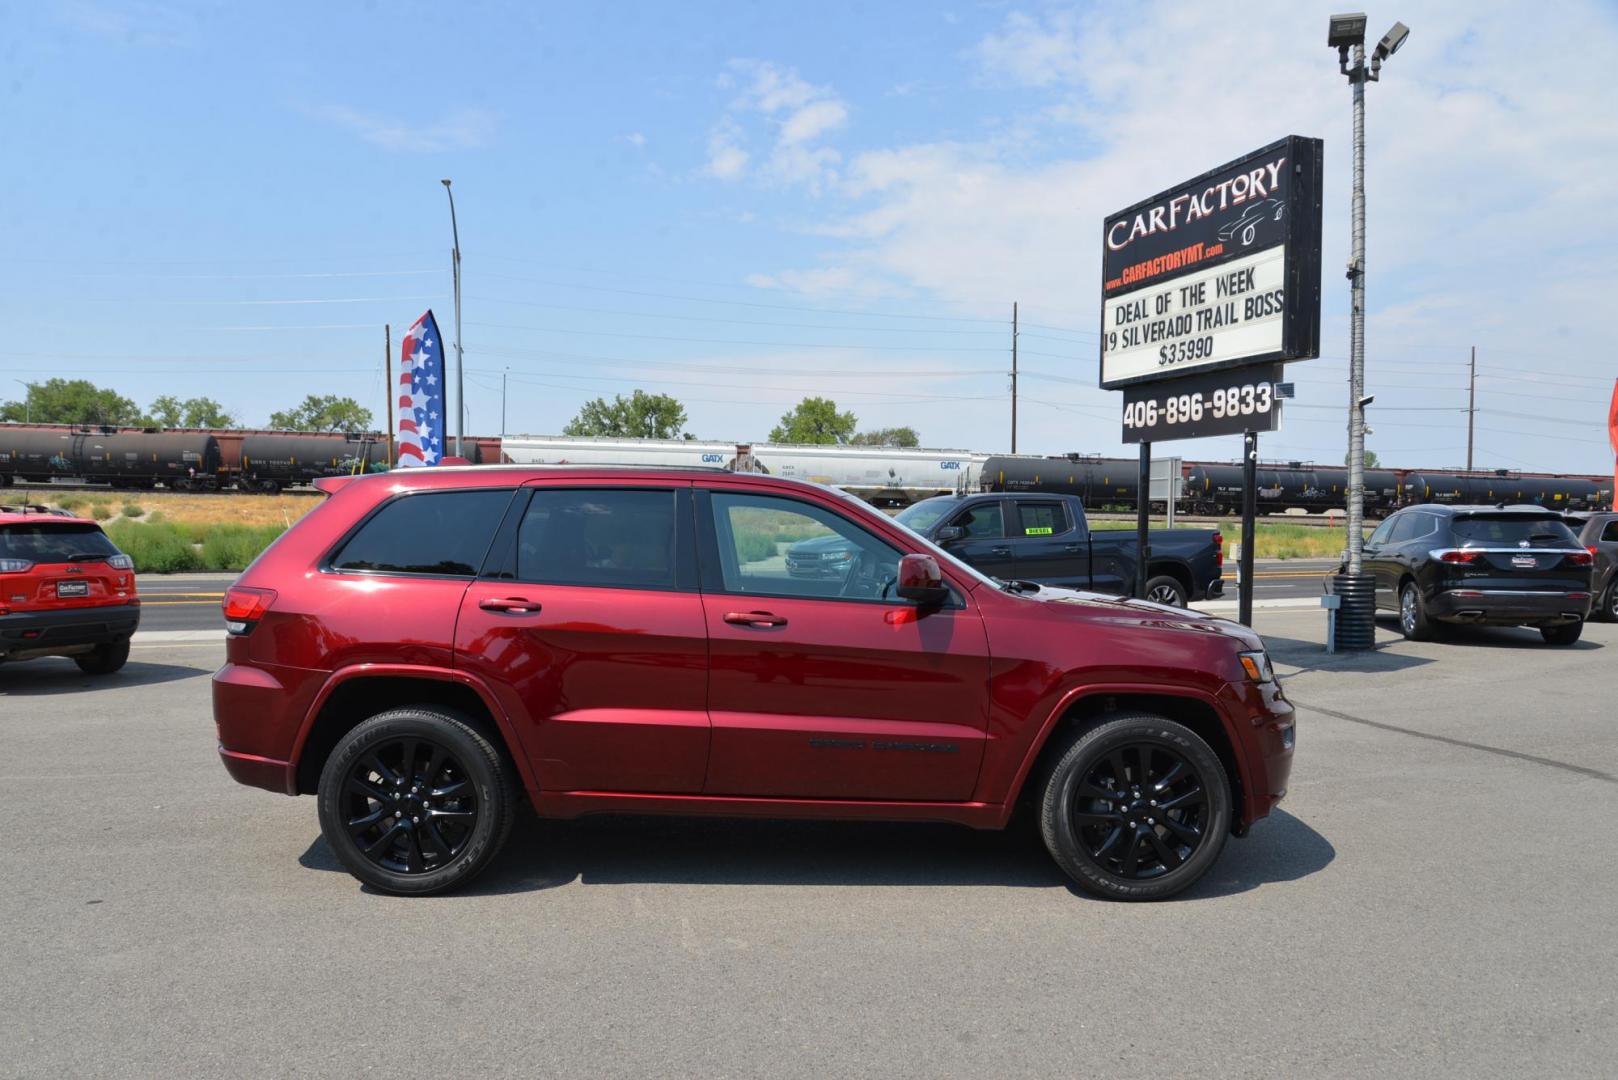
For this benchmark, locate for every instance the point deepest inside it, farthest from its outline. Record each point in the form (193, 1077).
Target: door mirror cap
(949, 533)
(921, 580)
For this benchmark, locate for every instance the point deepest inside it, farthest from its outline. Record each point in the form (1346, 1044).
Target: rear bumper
(1509, 607)
(39, 633)
(260, 772)
(1213, 590)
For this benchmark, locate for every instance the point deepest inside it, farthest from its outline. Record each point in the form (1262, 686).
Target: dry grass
(226, 509)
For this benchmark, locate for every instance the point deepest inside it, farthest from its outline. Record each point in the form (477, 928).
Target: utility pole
(389, 390)
(503, 375)
(1014, 376)
(1471, 406)
(460, 362)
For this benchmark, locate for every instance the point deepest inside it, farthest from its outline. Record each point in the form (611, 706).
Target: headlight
(1257, 666)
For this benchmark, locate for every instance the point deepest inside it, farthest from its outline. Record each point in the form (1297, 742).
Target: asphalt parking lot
(1437, 898)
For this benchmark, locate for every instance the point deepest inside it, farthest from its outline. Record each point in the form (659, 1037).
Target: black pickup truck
(1045, 539)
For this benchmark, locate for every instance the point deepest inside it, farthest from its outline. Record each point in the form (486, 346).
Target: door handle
(511, 605)
(1003, 549)
(1072, 549)
(754, 618)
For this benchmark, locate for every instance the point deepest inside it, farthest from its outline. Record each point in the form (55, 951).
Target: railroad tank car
(1098, 482)
(1383, 490)
(36, 454)
(271, 462)
(186, 461)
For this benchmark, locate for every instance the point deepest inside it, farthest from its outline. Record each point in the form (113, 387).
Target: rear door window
(443, 533)
(1513, 531)
(605, 537)
(1610, 533)
(1040, 518)
(52, 542)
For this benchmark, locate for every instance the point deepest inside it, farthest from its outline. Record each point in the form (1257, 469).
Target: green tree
(888, 436)
(639, 416)
(814, 420)
(324, 413)
(1371, 460)
(71, 401)
(170, 411)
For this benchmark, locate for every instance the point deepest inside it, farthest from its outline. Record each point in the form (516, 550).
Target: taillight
(1219, 550)
(1580, 558)
(244, 607)
(14, 566)
(121, 562)
(1458, 555)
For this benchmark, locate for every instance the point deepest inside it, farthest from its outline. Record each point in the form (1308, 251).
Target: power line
(734, 341)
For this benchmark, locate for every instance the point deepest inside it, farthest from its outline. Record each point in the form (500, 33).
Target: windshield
(921, 516)
(1512, 530)
(49, 542)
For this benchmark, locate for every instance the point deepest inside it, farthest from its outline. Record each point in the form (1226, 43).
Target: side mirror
(948, 534)
(921, 580)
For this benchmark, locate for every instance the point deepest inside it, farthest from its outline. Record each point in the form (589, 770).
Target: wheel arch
(353, 695)
(1178, 569)
(1088, 706)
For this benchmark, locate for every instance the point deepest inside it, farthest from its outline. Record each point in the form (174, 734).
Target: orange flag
(1612, 436)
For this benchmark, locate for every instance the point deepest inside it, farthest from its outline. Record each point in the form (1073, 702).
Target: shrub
(100, 511)
(156, 547)
(71, 502)
(132, 510)
(232, 547)
(753, 546)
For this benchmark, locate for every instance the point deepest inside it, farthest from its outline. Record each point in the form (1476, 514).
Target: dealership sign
(1215, 273)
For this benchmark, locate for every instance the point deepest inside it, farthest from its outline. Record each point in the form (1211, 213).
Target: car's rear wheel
(1413, 621)
(1136, 808)
(104, 659)
(1166, 590)
(1563, 633)
(1609, 606)
(416, 801)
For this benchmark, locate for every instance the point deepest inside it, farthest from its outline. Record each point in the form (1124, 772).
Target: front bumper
(42, 633)
(1508, 607)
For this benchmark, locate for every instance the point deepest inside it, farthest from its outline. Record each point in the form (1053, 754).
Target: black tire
(1413, 621)
(1166, 590)
(1085, 831)
(1609, 603)
(104, 659)
(476, 793)
(1562, 633)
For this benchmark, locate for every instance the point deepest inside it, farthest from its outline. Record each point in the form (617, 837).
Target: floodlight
(1392, 40)
(1347, 30)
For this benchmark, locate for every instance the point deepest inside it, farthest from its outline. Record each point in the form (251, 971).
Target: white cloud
(462, 130)
(635, 139)
(792, 114)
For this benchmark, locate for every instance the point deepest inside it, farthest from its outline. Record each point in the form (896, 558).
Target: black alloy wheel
(1612, 600)
(1141, 811)
(409, 805)
(416, 800)
(1136, 807)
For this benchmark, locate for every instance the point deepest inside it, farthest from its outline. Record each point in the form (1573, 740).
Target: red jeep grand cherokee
(65, 590)
(426, 645)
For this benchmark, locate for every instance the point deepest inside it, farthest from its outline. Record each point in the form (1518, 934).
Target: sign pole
(1143, 509)
(1244, 591)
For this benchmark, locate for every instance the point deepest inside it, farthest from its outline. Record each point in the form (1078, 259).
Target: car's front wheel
(104, 659)
(416, 801)
(1136, 808)
(1562, 633)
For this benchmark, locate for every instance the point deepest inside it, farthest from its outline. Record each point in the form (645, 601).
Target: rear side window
(604, 537)
(435, 532)
(1611, 532)
(1040, 519)
(1512, 531)
(49, 542)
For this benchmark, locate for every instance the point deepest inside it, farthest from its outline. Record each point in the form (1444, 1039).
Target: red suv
(65, 590)
(426, 646)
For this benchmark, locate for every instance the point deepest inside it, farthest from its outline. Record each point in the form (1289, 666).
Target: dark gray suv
(1599, 534)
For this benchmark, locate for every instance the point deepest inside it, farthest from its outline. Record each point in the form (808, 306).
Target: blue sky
(740, 204)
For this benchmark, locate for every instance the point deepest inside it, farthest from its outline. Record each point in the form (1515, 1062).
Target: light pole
(460, 365)
(27, 401)
(1347, 36)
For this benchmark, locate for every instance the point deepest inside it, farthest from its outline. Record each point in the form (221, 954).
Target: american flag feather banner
(420, 413)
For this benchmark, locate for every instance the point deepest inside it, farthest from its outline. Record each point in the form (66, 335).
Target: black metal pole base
(1356, 617)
